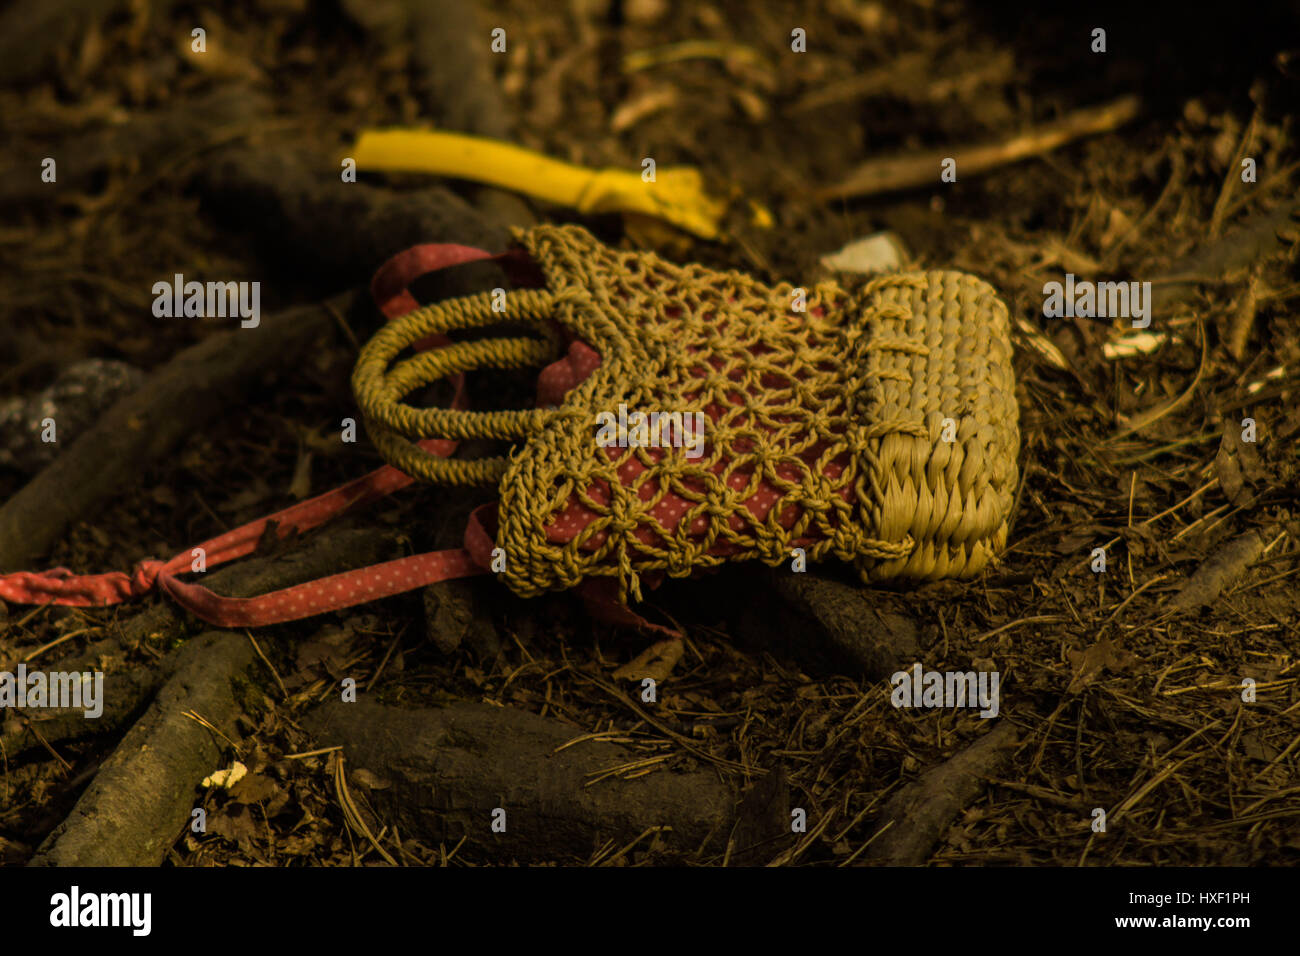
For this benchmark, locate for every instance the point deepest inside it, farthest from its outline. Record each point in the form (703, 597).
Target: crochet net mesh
(875, 425)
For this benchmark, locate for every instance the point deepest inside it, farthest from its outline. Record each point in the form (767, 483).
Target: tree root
(141, 798)
(306, 217)
(447, 774)
(825, 625)
(176, 400)
(128, 688)
(912, 820)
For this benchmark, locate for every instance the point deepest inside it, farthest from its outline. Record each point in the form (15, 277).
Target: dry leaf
(254, 788)
(234, 823)
(226, 778)
(1238, 466)
(1089, 664)
(655, 662)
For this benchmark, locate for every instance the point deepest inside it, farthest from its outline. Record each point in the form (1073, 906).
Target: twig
(284, 694)
(1232, 178)
(32, 655)
(922, 169)
(350, 811)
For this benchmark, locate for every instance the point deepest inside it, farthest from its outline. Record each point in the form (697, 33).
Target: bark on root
(828, 626)
(177, 399)
(445, 772)
(141, 798)
(913, 820)
(304, 215)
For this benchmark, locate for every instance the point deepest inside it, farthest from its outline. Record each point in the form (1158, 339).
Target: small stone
(74, 401)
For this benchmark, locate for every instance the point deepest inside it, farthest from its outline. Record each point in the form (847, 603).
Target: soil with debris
(1164, 691)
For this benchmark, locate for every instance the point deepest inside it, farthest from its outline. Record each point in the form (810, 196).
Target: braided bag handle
(380, 386)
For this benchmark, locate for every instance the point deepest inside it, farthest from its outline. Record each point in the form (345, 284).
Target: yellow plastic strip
(677, 195)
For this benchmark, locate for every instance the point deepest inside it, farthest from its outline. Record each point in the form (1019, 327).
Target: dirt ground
(1127, 690)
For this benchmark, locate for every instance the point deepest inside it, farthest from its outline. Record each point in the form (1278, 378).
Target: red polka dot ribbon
(60, 586)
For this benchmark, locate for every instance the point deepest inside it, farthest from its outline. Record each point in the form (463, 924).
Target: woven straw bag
(877, 425)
